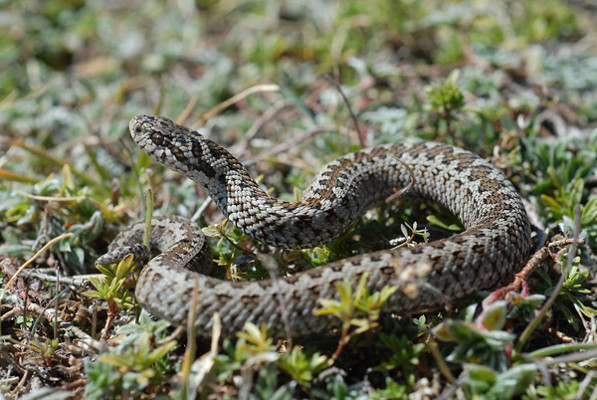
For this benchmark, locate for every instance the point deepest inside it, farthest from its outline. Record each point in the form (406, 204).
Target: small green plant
(232, 248)
(316, 256)
(571, 290)
(481, 342)
(446, 98)
(140, 359)
(302, 367)
(69, 210)
(560, 181)
(453, 226)
(561, 391)
(409, 233)
(336, 388)
(561, 207)
(135, 366)
(525, 306)
(360, 311)
(255, 347)
(484, 350)
(488, 384)
(267, 386)
(255, 340)
(392, 391)
(229, 363)
(25, 321)
(110, 288)
(405, 355)
(46, 349)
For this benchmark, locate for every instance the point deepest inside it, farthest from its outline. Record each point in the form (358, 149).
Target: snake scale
(496, 240)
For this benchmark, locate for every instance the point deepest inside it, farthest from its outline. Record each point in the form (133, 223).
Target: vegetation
(278, 83)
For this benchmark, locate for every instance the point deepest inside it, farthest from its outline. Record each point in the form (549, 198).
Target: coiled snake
(495, 243)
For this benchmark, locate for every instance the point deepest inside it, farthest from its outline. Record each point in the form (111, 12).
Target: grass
(513, 82)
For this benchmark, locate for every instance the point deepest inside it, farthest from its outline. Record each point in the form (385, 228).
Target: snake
(494, 244)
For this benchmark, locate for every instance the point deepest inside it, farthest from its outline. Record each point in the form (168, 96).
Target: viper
(495, 243)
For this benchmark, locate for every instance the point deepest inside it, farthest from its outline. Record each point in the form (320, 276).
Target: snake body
(495, 242)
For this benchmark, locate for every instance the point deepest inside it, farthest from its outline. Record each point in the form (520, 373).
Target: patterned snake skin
(495, 243)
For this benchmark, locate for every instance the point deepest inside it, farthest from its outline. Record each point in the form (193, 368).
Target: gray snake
(496, 240)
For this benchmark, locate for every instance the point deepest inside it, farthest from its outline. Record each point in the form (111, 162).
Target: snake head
(174, 146)
(184, 150)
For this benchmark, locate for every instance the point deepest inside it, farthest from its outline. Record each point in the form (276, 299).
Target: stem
(344, 339)
(524, 336)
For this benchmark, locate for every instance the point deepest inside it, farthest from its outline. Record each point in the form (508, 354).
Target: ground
(288, 86)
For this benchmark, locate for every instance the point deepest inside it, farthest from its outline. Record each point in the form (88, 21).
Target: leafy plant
(301, 367)
(484, 381)
(336, 388)
(561, 391)
(481, 342)
(140, 359)
(232, 249)
(46, 349)
(135, 365)
(446, 98)
(255, 340)
(392, 391)
(571, 290)
(267, 386)
(409, 233)
(360, 311)
(404, 356)
(110, 287)
(253, 349)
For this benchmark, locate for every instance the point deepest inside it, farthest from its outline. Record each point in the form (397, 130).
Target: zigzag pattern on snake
(495, 243)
